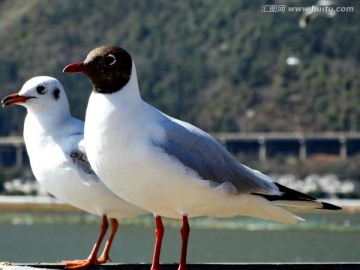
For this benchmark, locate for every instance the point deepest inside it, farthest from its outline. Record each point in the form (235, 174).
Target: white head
(40, 95)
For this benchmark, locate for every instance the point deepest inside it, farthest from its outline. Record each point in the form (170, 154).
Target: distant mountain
(224, 65)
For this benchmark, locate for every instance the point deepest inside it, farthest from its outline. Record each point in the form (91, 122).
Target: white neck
(50, 118)
(130, 93)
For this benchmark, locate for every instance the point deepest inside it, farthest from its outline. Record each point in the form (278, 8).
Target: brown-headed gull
(167, 166)
(54, 142)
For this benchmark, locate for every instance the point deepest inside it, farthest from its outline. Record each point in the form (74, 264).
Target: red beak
(14, 99)
(76, 67)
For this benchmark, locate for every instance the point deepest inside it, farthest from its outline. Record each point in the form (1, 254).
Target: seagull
(166, 166)
(54, 142)
(322, 7)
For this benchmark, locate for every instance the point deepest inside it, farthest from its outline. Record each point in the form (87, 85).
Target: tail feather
(260, 207)
(298, 204)
(293, 198)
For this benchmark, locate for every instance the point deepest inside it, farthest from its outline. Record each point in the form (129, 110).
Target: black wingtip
(328, 206)
(289, 194)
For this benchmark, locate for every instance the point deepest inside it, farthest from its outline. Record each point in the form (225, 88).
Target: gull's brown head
(108, 67)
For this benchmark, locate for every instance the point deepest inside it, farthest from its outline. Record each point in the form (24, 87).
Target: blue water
(45, 237)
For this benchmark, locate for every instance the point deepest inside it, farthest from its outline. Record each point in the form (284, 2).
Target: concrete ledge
(210, 266)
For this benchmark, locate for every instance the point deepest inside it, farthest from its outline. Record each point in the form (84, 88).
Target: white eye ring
(113, 59)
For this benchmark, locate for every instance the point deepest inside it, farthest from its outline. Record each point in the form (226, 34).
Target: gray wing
(80, 160)
(200, 152)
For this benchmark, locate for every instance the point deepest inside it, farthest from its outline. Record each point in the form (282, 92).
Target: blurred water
(34, 237)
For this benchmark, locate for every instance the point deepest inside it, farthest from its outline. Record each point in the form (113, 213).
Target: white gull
(167, 166)
(54, 142)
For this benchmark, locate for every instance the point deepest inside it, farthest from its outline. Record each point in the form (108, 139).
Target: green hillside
(220, 64)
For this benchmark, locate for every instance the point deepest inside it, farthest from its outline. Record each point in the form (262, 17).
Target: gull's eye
(56, 93)
(110, 59)
(41, 89)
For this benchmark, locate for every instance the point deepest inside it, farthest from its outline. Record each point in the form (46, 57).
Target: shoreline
(47, 203)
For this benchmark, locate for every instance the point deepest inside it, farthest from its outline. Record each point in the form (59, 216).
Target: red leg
(159, 233)
(78, 264)
(185, 231)
(105, 255)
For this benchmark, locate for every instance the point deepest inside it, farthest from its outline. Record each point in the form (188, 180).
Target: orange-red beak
(14, 99)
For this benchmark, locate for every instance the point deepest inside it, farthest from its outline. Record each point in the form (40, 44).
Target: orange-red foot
(103, 259)
(155, 267)
(182, 267)
(80, 264)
